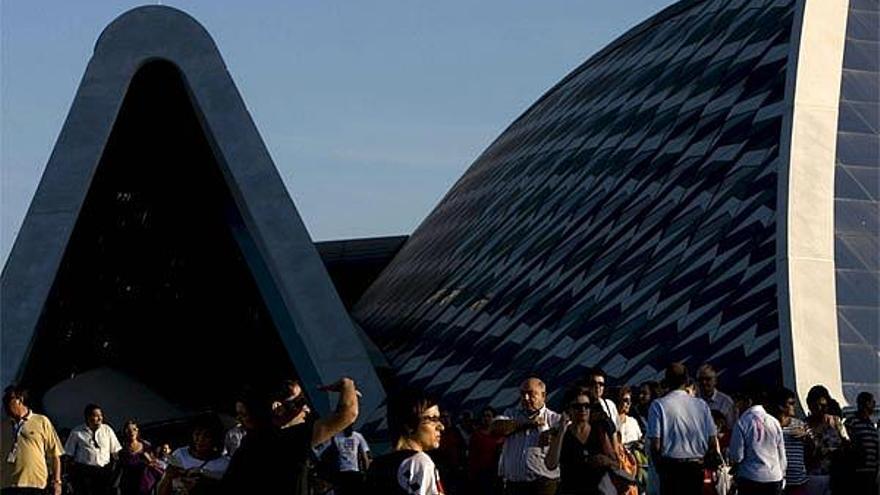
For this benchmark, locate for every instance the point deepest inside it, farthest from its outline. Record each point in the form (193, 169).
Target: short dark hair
(573, 393)
(595, 371)
(490, 409)
(782, 396)
(863, 399)
(405, 410)
(676, 376)
(13, 392)
(211, 424)
(89, 409)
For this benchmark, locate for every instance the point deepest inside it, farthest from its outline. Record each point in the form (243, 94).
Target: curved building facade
(672, 199)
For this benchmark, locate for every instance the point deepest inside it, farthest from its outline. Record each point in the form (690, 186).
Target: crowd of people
(675, 437)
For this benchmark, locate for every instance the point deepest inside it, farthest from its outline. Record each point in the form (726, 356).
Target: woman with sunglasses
(415, 427)
(582, 448)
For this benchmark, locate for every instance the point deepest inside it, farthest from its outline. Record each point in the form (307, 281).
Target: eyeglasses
(580, 406)
(432, 419)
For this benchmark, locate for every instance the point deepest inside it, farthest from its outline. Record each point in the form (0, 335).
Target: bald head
(533, 394)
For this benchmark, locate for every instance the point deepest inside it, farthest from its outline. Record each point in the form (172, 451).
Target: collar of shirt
(757, 409)
(540, 412)
(18, 424)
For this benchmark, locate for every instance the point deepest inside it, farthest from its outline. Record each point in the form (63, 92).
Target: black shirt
(271, 461)
(576, 475)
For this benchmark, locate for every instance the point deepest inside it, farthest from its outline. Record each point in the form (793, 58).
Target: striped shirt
(795, 448)
(866, 439)
(523, 453)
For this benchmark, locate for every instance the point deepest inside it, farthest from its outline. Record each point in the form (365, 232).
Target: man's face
(869, 406)
(532, 395)
(16, 408)
(707, 380)
(596, 387)
(95, 419)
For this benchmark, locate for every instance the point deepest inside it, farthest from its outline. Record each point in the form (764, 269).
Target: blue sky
(370, 110)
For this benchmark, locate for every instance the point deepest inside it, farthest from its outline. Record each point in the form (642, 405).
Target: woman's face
(579, 409)
(625, 403)
(789, 407)
(427, 436)
(130, 432)
(819, 407)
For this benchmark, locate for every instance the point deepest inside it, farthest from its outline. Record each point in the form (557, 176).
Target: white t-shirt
(348, 450)
(92, 448)
(182, 459)
(629, 430)
(418, 475)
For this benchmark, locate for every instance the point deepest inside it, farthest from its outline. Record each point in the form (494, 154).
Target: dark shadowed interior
(153, 282)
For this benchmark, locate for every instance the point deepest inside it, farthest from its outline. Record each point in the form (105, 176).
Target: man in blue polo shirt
(680, 432)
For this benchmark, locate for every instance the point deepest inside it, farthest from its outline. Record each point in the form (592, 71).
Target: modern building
(704, 189)
(162, 266)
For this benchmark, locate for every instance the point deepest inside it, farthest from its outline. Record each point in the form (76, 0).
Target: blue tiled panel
(627, 220)
(857, 202)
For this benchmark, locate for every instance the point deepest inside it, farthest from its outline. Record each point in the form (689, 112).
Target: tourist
(829, 436)
(595, 382)
(91, 446)
(526, 437)
(352, 461)
(582, 449)
(483, 454)
(197, 468)
(275, 460)
(707, 381)
(865, 439)
(798, 443)
(138, 471)
(629, 427)
(680, 432)
(757, 450)
(415, 428)
(27, 442)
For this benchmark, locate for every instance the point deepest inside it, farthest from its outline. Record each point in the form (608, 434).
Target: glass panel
(865, 248)
(859, 363)
(849, 120)
(860, 86)
(845, 186)
(861, 55)
(866, 321)
(856, 217)
(857, 288)
(858, 149)
(868, 178)
(844, 258)
(862, 25)
(869, 5)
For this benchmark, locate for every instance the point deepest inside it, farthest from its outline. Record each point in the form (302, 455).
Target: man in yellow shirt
(29, 445)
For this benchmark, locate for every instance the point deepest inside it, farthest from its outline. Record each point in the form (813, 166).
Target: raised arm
(506, 427)
(551, 460)
(346, 412)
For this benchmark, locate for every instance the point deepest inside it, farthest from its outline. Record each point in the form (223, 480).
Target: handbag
(723, 480)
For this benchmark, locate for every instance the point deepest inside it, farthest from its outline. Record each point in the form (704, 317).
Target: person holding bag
(582, 448)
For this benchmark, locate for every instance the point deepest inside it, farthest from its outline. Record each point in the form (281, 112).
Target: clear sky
(370, 109)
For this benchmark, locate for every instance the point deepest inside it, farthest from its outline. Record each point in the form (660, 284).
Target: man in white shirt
(353, 461)
(757, 448)
(91, 446)
(595, 384)
(707, 380)
(526, 431)
(680, 433)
